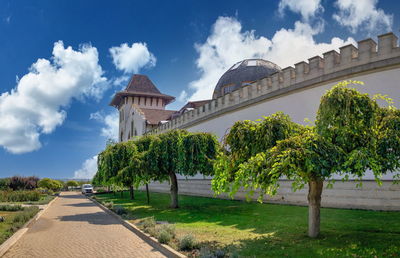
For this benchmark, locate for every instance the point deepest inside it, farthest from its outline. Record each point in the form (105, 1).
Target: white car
(86, 188)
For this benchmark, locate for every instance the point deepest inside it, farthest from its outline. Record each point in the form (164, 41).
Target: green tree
(183, 153)
(72, 183)
(50, 184)
(352, 134)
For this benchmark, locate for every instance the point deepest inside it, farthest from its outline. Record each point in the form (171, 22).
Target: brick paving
(73, 226)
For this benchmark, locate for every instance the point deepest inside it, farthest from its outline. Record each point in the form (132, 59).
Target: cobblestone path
(73, 226)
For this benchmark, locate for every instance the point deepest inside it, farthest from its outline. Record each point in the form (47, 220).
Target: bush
(109, 205)
(149, 223)
(23, 183)
(169, 228)
(19, 196)
(4, 183)
(11, 207)
(120, 210)
(164, 237)
(19, 219)
(187, 242)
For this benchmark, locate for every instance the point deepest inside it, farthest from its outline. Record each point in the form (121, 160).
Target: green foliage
(388, 142)
(148, 222)
(6, 207)
(72, 183)
(164, 237)
(50, 184)
(187, 242)
(249, 143)
(352, 134)
(197, 154)
(19, 196)
(169, 228)
(4, 183)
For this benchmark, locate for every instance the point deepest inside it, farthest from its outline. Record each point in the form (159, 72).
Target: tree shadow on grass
(342, 231)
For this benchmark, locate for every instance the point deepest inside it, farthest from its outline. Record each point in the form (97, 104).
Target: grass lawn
(264, 230)
(15, 220)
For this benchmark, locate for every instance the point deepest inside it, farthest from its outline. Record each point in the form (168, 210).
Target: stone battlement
(333, 65)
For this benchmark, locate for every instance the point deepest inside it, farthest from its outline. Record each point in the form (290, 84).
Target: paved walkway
(73, 226)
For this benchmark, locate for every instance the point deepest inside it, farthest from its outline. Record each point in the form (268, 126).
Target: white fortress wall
(297, 92)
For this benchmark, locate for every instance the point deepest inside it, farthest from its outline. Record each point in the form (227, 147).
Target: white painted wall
(303, 104)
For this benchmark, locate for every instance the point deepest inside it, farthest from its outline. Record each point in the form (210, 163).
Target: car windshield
(87, 186)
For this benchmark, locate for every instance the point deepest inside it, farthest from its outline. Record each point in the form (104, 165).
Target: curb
(4, 247)
(164, 249)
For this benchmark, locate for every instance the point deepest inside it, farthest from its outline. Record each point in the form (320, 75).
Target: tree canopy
(351, 135)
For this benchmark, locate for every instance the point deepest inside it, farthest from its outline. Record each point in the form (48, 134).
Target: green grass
(14, 220)
(268, 230)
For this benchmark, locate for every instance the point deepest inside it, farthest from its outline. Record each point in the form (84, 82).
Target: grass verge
(269, 230)
(14, 220)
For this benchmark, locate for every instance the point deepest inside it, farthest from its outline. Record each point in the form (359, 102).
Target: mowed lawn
(263, 230)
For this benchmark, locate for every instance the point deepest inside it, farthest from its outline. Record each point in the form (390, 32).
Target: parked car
(86, 188)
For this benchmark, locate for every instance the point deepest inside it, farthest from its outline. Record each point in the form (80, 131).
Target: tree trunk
(174, 190)
(147, 192)
(131, 192)
(314, 205)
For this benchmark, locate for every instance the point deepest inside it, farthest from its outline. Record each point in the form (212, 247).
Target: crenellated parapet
(367, 56)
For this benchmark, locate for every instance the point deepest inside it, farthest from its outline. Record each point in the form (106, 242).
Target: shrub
(19, 196)
(4, 183)
(149, 222)
(109, 205)
(22, 217)
(169, 228)
(23, 183)
(187, 242)
(164, 236)
(149, 226)
(120, 210)
(11, 207)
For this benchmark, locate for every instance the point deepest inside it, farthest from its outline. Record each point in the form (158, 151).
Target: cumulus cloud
(362, 15)
(228, 44)
(306, 8)
(88, 169)
(37, 104)
(111, 124)
(131, 59)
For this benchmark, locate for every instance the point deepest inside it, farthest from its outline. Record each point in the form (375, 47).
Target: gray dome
(243, 73)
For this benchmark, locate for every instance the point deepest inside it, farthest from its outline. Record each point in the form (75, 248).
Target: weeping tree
(114, 166)
(143, 162)
(183, 153)
(352, 134)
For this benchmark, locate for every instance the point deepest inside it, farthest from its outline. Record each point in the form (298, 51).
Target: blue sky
(54, 113)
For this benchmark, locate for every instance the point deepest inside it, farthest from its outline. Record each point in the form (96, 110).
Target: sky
(61, 62)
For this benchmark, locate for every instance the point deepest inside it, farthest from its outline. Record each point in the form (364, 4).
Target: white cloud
(131, 59)
(307, 8)
(88, 169)
(228, 44)
(111, 124)
(37, 105)
(362, 15)
(183, 97)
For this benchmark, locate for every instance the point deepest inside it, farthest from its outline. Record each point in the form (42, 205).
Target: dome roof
(243, 73)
